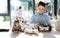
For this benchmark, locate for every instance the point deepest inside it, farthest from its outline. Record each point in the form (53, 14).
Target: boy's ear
(37, 9)
(45, 10)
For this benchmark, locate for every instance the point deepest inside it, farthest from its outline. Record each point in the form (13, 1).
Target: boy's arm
(32, 19)
(48, 20)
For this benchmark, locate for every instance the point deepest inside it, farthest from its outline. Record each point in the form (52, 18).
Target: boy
(40, 17)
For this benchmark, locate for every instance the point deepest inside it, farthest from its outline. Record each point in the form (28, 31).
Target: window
(4, 7)
(4, 22)
(4, 14)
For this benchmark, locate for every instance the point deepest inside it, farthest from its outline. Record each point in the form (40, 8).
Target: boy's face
(20, 10)
(41, 9)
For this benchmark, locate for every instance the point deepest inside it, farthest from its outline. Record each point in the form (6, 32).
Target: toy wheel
(50, 28)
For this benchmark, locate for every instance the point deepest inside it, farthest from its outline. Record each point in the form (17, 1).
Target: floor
(10, 34)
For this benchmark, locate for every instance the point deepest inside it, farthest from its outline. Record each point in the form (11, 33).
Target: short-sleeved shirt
(40, 18)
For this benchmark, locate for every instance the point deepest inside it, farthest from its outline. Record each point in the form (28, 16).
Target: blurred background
(8, 9)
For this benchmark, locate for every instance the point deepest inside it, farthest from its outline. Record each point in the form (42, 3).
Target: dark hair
(41, 3)
(20, 7)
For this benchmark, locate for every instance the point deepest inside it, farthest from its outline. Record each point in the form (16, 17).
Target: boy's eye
(41, 9)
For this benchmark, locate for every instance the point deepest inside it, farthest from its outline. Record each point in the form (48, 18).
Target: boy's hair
(20, 7)
(41, 3)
